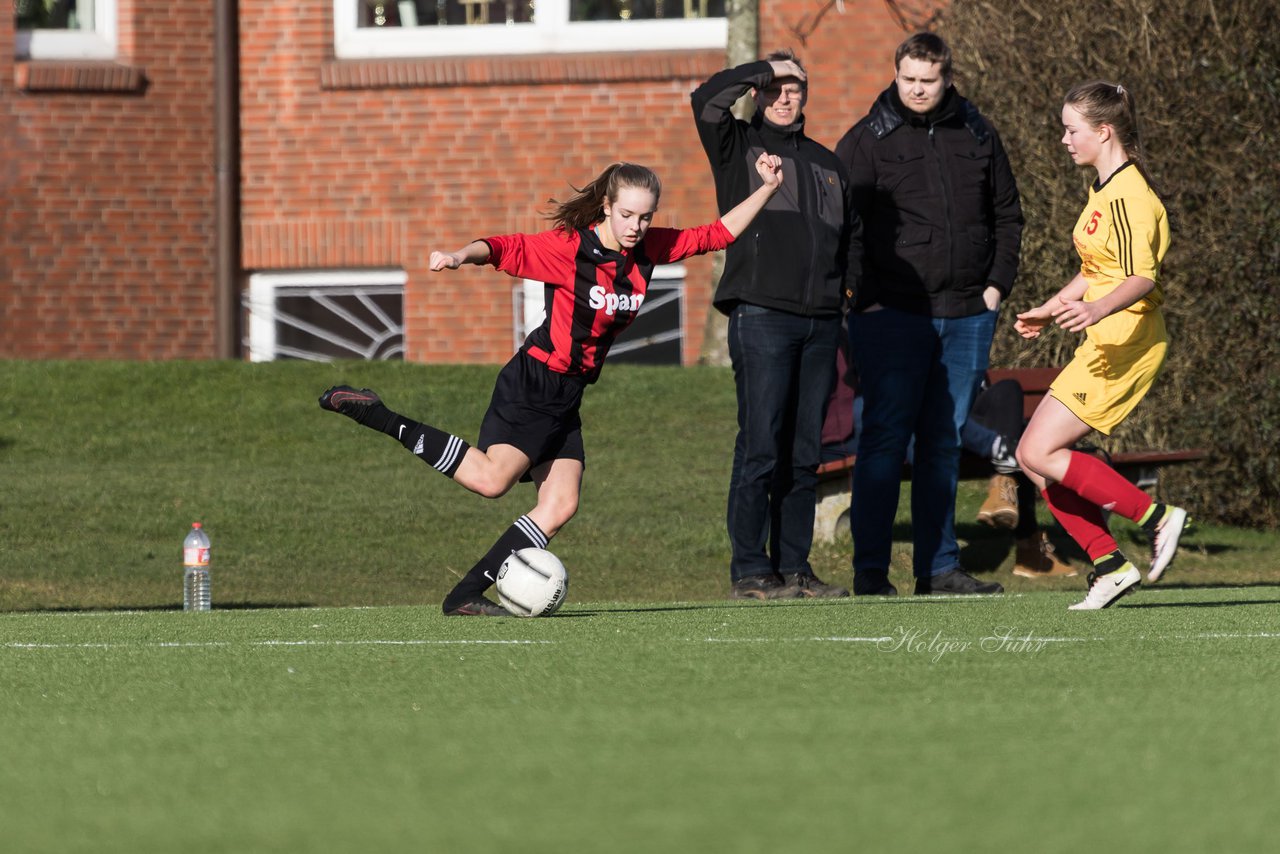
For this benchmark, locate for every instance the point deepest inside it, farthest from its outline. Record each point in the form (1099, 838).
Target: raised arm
(769, 167)
(712, 104)
(475, 252)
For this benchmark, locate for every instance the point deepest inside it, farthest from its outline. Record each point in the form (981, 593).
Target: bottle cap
(195, 524)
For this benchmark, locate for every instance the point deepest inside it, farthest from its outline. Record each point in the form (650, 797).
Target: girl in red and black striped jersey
(596, 262)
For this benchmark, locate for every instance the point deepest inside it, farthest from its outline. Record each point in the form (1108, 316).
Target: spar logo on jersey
(613, 303)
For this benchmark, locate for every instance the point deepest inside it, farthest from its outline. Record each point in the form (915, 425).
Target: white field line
(484, 642)
(210, 644)
(879, 640)
(1013, 638)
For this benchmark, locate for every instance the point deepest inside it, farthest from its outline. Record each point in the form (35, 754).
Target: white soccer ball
(532, 583)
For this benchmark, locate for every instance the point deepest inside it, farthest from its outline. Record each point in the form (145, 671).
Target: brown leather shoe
(812, 587)
(764, 587)
(1000, 510)
(1035, 557)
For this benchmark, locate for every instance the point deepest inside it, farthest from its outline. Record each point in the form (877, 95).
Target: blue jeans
(918, 376)
(784, 371)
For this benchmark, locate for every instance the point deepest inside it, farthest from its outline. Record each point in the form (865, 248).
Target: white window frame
(260, 300)
(96, 42)
(552, 32)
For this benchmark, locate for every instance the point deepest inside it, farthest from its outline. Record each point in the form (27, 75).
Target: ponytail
(586, 206)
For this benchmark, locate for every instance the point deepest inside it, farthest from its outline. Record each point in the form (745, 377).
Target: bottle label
(195, 557)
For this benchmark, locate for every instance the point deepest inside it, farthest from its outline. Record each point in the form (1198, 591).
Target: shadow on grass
(841, 602)
(1219, 604)
(232, 606)
(656, 609)
(986, 549)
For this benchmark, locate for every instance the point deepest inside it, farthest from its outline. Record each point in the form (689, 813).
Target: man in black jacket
(783, 289)
(944, 224)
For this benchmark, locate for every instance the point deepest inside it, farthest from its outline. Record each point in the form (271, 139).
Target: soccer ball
(532, 583)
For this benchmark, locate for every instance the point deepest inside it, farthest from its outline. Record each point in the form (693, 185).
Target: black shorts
(536, 410)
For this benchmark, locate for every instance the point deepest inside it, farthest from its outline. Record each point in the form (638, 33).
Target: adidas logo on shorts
(1079, 395)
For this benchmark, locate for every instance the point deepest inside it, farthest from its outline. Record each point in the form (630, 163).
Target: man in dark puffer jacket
(933, 186)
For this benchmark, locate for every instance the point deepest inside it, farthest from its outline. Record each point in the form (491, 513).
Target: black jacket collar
(888, 114)
(789, 134)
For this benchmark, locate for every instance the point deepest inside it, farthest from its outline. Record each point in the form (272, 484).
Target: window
(325, 315)
(403, 28)
(656, 337)
(65, 29)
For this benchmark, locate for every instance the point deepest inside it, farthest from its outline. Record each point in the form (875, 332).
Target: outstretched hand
(445, 261)
(1032, 322)
(1072, 315)
(770, 168)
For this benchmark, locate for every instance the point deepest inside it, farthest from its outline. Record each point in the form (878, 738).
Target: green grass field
(326, 705)
(953, 725)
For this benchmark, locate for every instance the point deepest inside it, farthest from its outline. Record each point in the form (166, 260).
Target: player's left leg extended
(488, 473)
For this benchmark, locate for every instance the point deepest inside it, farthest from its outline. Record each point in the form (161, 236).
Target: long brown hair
(1101, 102)
(586, 207)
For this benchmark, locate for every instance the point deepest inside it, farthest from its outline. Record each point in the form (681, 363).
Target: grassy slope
(107, 464)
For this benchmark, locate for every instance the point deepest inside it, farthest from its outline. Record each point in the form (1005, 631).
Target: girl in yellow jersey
(1115, 299)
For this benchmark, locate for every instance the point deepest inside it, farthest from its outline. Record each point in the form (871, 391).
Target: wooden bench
(835, 476)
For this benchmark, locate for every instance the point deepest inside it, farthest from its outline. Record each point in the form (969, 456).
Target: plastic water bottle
(195, 570)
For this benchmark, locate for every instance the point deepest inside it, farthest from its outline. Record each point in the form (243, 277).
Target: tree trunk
(743, 46)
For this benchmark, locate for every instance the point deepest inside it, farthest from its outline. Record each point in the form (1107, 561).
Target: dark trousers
(918, 377)
(783, 368)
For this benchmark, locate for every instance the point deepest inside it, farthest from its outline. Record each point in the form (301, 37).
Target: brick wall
(390, 160)
(106, 184)
(108, 242)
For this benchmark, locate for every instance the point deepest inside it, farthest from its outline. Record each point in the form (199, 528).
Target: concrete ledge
(512, 70)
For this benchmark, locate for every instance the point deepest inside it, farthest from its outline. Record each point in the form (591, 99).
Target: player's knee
(492, 486)
(1028, 459)
(559, 509)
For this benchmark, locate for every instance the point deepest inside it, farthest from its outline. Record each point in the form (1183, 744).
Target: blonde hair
(1101, 102)
(586, 207)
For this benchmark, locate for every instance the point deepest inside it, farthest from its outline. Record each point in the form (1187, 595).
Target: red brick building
(358, 144)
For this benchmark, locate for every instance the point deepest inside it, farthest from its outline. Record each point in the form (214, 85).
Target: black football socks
(440, 450)
(524, 533)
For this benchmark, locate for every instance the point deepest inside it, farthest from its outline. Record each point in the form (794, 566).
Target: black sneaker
(763, 587)
(957, 581)
(873, 584)
(353, 403)
(477, 607)
(812, 587)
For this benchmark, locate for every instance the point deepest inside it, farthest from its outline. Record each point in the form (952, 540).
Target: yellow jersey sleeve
(1122, 232)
